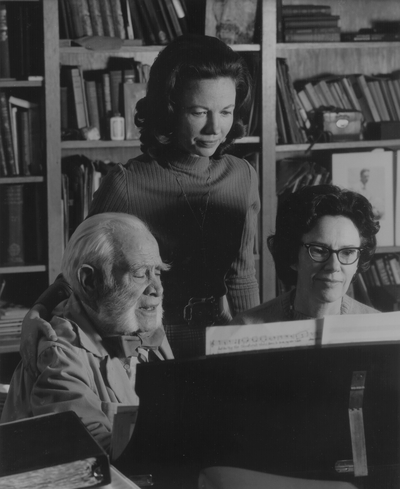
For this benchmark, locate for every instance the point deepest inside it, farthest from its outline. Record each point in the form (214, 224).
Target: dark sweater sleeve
(112, 194)
(58, 291)
(243, 290)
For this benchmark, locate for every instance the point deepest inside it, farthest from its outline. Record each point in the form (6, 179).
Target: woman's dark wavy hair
(298, 215)
(189, 57)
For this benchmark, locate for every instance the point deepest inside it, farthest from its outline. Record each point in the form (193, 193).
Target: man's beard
(117, 315)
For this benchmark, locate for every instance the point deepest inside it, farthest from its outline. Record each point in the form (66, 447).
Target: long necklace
(203, 213)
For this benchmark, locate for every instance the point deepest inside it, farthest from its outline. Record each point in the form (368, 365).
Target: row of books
(376, 97)
(22, 224)
(294, 173)
(20, 47)
(80, 179)
(384, 270)
(89, 98)
(139, 21)
(21, 136)
(307, 23)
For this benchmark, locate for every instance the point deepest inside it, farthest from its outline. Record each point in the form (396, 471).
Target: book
(395, 97)
(367, 97)
(365, 109)
(95, 17)
(91, 97)
(75, 8)
(324, 21)
(12, 224)
(136, 20)
(25, 151)
(5, 127)
(312, 36)
(148, 32)
(181, 13)
(30, 112)
(133, 92)
(3, 162)
(378, 99)
(116, 79)
(156, 22)
(348, 88)
(312, 95)
(301, 10)
(119, 25)
(176, 26)
(79, 461)
(107, 18)
(387, 97)
(75, 83)
(4, 43)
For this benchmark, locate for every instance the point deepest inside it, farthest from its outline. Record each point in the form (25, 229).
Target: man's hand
(33, 326)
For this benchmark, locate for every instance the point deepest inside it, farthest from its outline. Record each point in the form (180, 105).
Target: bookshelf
(305, 60)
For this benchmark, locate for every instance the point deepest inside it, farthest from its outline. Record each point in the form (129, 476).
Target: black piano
(328, 413)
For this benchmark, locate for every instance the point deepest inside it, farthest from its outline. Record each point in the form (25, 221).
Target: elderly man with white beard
(112, 321)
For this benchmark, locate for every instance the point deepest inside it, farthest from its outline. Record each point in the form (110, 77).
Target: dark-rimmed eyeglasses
(321, 254)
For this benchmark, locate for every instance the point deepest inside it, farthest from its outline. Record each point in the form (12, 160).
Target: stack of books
(308, 23)
(11, 317)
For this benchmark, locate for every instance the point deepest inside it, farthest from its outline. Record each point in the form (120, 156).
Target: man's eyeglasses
(321, 254)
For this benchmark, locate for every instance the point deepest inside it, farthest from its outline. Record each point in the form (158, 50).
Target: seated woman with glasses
(324, 237)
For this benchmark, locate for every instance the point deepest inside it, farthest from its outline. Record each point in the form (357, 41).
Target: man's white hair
(97, 242)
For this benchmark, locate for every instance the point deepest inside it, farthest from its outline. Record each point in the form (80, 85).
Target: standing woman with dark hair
(324, 237)
(200, 203)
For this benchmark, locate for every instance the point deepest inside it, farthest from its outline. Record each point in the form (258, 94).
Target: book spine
(95, 17)
(12, 222)
(307, 23)
(91, 97)
(161, 8)
(293, 10)
(77, 89)
(36, 138)
(24, 141)
(107, 18)
(136, 21)
(119, 26)
(158, 28)
(3, 161)
(313, 37)
(75, 8)
(5, 125)
(180, 12)
(174, 18)
(147, 23)
(132, 93)
(4, 44)
(368, 98)
(116, 78)
(312, 30)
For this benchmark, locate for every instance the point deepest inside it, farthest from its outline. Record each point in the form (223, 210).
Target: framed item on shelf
(370, 174)
(232, 21)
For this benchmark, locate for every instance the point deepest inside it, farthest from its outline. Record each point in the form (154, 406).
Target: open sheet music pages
(330, 330)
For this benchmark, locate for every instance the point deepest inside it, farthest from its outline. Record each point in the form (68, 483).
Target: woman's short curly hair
(298, 215)
(189, 57)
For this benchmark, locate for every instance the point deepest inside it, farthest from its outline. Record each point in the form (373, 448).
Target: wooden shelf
(281, 48)
(20, 83)
(16, 179)
(384, 143)
(22, 269)
(144, 48)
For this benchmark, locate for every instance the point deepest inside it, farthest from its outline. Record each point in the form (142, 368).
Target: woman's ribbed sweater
(151, 191)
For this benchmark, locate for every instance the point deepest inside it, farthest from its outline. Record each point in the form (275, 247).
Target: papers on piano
(330, 330)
